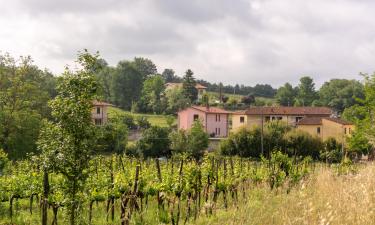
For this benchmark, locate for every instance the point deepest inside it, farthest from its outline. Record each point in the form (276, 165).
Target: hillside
(155, 120)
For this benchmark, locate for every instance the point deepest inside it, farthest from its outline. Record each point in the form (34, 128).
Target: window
(345, 130)
(298, 118)
(97, 110)
(196, 117)
(219, 130)
(318, 130)
(350, 130)
(98, 121)
(267, 118)
(242, 119)
(279, 118)
(219, 118)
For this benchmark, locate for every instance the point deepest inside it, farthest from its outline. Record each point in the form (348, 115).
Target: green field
(214, 96)
(155, 120)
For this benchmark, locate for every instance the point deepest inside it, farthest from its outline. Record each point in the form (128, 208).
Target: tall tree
(188, 86)
(145, 67)
(286, 95)
(24, 92)
(66, 143)
(153, 89)
(176, 100)
(126, 85)
(306, 92)
(169, 76)
(340, 94)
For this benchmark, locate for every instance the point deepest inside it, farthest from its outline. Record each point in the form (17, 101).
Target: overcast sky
(233, 41)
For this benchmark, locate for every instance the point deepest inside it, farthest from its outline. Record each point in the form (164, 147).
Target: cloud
(245, 41)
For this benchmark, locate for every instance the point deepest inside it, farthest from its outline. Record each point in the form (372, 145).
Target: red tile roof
(199, 86)
(210, 109)
(338, 120)
(284, 110)
(318, 121)
(99, 103)
(310, 121)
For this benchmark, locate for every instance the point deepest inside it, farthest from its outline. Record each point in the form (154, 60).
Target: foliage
(332, 152)
(306, 94)
(154, 142)
(301, 143)
(3, 160)
(126, 85)
(176, 100)
(112, 136)
(197, 140)
(169, 76)
(66, 143)
(143, 122)
(179, 142)
(248, 100)
(153, 89)
(188, 86)
(286, 95)
(24, 92)
(340, 94)
(145, 67)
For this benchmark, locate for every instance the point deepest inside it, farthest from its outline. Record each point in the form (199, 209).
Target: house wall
(103, 115)
(312, 129)
(214, 125)
(336, 130)
(186, 118)
(236, 124)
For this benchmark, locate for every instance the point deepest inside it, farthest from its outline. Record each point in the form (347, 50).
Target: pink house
(214, 120)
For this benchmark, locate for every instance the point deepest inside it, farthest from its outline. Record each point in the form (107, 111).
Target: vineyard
(122, 190)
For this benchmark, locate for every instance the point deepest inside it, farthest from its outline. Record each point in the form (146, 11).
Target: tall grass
(324, 198)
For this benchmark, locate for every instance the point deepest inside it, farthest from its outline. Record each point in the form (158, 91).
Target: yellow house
(99, 112)
(255, 116)
(327, 127)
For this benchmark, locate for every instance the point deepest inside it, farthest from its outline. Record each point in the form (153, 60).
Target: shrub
(3, 160)
(154, 142)
(332, 151)
(301, 143)
(143, 122)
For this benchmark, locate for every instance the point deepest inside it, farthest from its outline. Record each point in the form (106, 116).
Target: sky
(230, 41)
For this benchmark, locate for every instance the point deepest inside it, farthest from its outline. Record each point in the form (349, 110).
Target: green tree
(286, 95)
(197, 140)
(176, 100)
(24, 93)
(152, 93)
(126, 85)
(179, 142)
(169, 76)
(113, 135)
(188, 86)
(145, 67)
(67, 142)
(154, 142)
(306, 92)
(340, 94)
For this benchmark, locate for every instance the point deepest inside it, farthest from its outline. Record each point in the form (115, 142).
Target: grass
(324, 198)
(215, 96)
(155, 120)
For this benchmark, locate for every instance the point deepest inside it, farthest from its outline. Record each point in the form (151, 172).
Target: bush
(154, 142)
(3, 160)
(332, 151)
(143, 122)
(301, 143)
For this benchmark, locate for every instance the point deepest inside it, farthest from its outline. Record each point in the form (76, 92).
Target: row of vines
(125, 188)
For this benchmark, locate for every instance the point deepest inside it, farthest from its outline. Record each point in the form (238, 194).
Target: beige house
(255, 116)
(99, 112)
(327, 127)
(200, 88)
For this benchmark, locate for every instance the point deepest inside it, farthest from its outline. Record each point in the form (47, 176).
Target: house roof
(338, 120)
(286, 110)
(99, 103)
(175, 85)
(318, 121)
(210, 109)
(310, 121)
(199, 86)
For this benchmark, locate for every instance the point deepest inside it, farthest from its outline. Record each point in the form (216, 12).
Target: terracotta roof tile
(211, 109)
(99, 103)
(284, 110)
(338, 120)
(310, 121)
